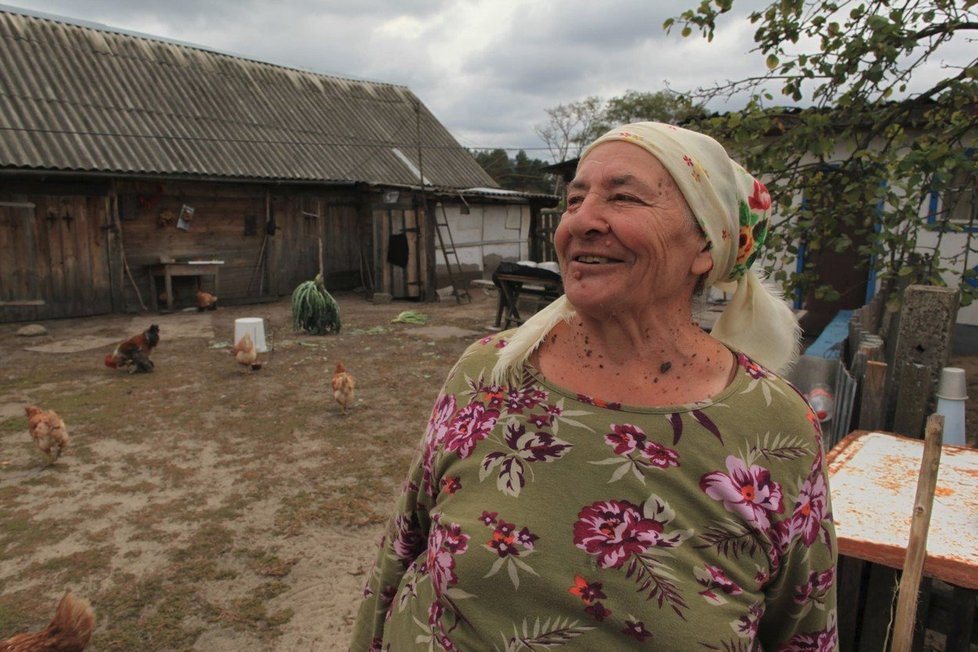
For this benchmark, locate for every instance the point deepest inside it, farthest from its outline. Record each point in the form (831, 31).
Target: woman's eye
(624, 198)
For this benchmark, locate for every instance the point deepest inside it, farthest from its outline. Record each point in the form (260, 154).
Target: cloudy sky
(487, 69)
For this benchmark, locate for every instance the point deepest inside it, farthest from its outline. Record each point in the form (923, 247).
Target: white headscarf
(733, 209)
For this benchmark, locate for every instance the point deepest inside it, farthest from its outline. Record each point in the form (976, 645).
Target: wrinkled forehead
(620, 163)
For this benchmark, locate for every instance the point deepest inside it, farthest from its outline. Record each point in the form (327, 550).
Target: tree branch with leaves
(863, 161)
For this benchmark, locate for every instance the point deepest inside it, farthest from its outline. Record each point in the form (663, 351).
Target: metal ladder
(452, 262)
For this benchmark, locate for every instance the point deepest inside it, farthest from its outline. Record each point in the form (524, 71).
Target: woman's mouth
(594, 260)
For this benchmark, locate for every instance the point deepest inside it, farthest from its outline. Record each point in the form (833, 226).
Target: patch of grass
(267, 564)
(21, 534)
(152, 613)
(13, 426)
(198, 560)
(18, 611)
(73, 569)
(250, 612)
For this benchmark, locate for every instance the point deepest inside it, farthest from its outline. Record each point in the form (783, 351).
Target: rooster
(134, 352)
(245, 353)
(69, 631)
(343, 384)
(206, 301)
(48, 431)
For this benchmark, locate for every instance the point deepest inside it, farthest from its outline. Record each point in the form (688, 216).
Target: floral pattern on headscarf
(753, 229)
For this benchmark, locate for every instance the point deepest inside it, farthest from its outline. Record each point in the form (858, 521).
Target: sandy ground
(257, 478)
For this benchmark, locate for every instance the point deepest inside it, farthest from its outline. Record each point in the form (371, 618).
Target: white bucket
(254, 326)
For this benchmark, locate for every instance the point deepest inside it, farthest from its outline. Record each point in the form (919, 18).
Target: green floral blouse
(535, 518)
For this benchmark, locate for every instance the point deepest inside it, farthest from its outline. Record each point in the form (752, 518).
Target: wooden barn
(130, 163)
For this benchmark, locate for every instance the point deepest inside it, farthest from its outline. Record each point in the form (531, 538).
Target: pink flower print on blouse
(507, 544)
(406, 539)
(810, 508)
(716, 584)
(824, 640)
(524, 398)
(746, 626)
(614, 530)
(438, 426)
(625, 438)
(747, 491)
(816, 588)
(443, 544)
(660, 456)
(471, 424)
(753, 369)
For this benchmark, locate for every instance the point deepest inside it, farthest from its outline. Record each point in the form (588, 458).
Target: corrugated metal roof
(74, 97)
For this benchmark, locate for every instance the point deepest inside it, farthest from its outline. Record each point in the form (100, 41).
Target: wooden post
(923, 339)
(911, 399)
(872, 398)
(913, 565)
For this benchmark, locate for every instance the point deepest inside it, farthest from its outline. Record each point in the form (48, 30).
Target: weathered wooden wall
(80, 247)
(268, 240)
(53, 256)
(301, 220)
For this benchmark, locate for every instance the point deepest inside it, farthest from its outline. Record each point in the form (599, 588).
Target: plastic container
(952, 392)
(254, 326)
(822, 401)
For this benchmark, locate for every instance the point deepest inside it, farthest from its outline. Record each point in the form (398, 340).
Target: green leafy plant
(314, 310)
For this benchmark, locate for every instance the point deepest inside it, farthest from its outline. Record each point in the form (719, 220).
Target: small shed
(123, 153)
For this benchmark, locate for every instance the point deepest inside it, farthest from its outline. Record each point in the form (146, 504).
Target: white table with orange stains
(873, 480)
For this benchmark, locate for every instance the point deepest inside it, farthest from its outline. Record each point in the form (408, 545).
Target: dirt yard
(203, 507)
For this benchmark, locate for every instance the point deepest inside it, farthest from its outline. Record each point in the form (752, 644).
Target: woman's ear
(703, 262)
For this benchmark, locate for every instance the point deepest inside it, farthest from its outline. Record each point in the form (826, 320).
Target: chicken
(206, 301)
(343, 384)
(48, 431)
(134, 352)
(245, 353)
(69, 631)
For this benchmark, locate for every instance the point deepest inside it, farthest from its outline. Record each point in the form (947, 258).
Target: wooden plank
(872, 399)
(852, 574)
(875, 624)
(912, 396)
(913, 566)
(962, 625)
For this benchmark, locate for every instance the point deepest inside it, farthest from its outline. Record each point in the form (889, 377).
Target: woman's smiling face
(628, 240)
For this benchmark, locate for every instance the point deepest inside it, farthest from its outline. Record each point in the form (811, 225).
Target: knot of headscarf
(733, 209)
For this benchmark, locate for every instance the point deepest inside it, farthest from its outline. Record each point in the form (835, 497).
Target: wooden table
(513, 286)
(168, 270)
(873, 479)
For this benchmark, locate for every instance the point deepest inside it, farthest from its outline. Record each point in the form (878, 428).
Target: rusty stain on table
(873, 479)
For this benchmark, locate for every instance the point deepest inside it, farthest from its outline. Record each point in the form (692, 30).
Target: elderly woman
(609, 475)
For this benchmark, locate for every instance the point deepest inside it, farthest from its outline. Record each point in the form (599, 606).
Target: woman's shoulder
(482, 353)
(769, 386)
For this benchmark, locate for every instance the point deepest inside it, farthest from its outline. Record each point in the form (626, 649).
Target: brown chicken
(343, 384)
(245, 353)
(206, 301)
(48, 431)
(134, 352)
(69, 631)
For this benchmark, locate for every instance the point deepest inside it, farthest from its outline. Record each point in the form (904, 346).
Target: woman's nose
(588, 218)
